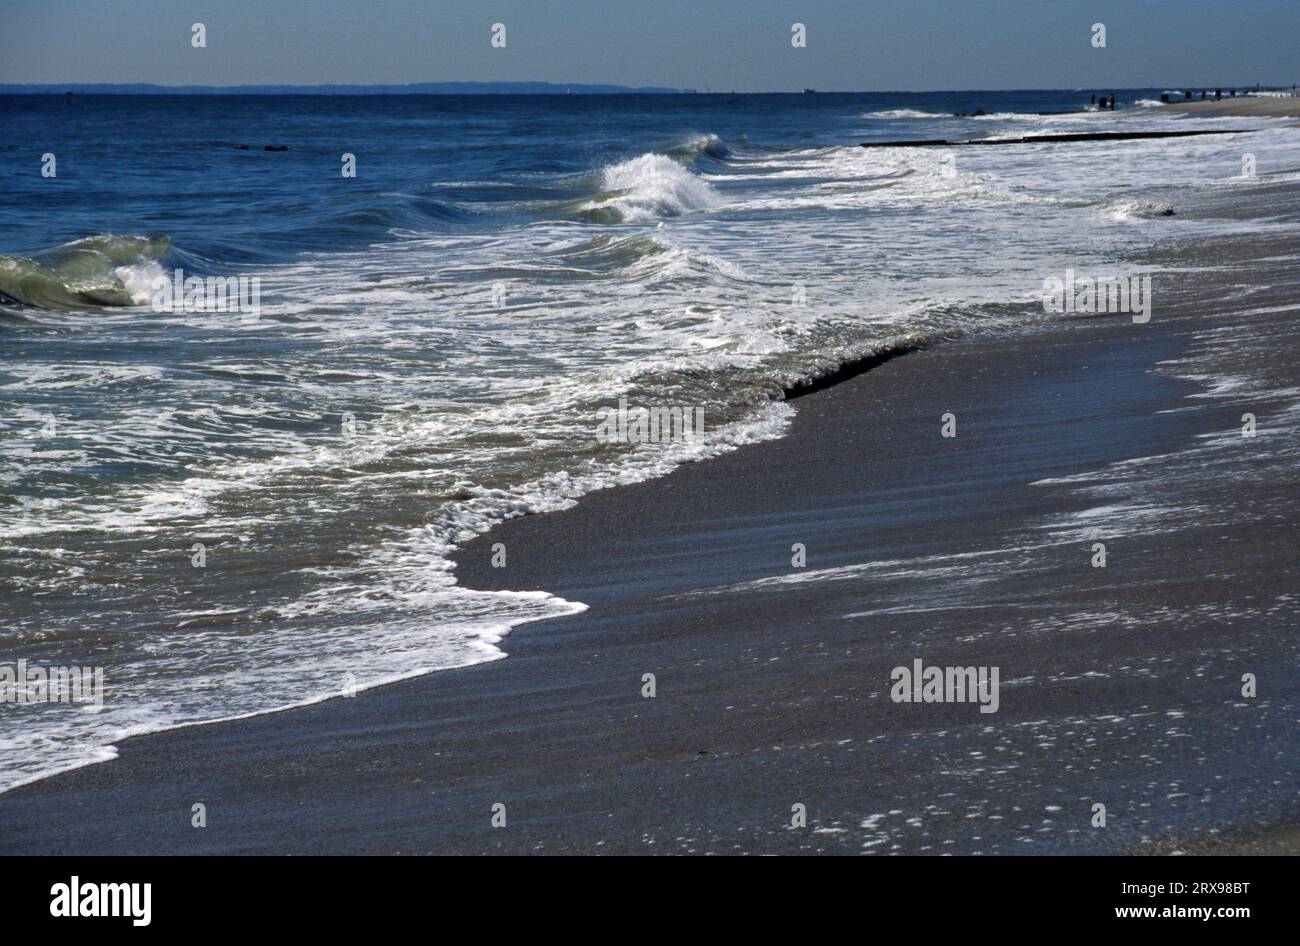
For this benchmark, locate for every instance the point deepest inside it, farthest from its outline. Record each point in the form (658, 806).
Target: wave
(853, 366)
(1123, 211)
(105, 270)
(382, 214)
(646, 188)
(894, 113)
(639, 257)
(710, 145)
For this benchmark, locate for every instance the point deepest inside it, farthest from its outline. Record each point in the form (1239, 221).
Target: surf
(101, 271)
(647, 188)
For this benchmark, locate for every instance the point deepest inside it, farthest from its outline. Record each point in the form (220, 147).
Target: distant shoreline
(501, 88)
(417, 88)
(1243, 107)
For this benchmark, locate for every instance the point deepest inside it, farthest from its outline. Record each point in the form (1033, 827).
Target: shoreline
(1121, 685)
(414, 766)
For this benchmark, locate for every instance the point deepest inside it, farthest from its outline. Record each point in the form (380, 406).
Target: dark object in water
(1052, 139)
(276, 148)
(974, 114)
(242, 147)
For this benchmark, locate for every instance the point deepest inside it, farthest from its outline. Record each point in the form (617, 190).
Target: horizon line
(479, 87)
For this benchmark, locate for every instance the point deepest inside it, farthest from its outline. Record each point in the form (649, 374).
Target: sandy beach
(1242, 107)
(1121, 686)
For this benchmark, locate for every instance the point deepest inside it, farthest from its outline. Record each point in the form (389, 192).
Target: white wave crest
(137, 279)
(651, 187)
(903, 113)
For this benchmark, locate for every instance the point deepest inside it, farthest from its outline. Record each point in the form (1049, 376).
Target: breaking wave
(646, 188)
(895, 113)
(93, 272)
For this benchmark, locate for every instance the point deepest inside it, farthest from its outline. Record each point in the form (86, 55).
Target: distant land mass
(417, 88)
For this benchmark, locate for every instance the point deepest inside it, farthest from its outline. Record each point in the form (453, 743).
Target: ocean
(234, 512)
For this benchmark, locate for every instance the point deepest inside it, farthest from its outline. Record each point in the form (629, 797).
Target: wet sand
(1120, 686)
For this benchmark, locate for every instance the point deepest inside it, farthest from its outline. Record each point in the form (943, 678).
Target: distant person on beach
(1218, 95)
(1112, 101)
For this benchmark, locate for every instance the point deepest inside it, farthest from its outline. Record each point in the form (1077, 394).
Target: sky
(852, 45)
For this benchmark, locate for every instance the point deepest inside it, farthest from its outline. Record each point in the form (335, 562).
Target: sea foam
(651, 187)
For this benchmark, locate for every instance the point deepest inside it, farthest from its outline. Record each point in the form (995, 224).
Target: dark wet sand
(1119, 685)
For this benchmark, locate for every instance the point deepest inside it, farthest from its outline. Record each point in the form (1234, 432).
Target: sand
(1242, 107)
(1120, 686)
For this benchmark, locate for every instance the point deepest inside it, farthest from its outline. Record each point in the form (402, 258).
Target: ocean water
(436, 337)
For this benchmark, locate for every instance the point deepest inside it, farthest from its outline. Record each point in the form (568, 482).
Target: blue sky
(716, 44)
